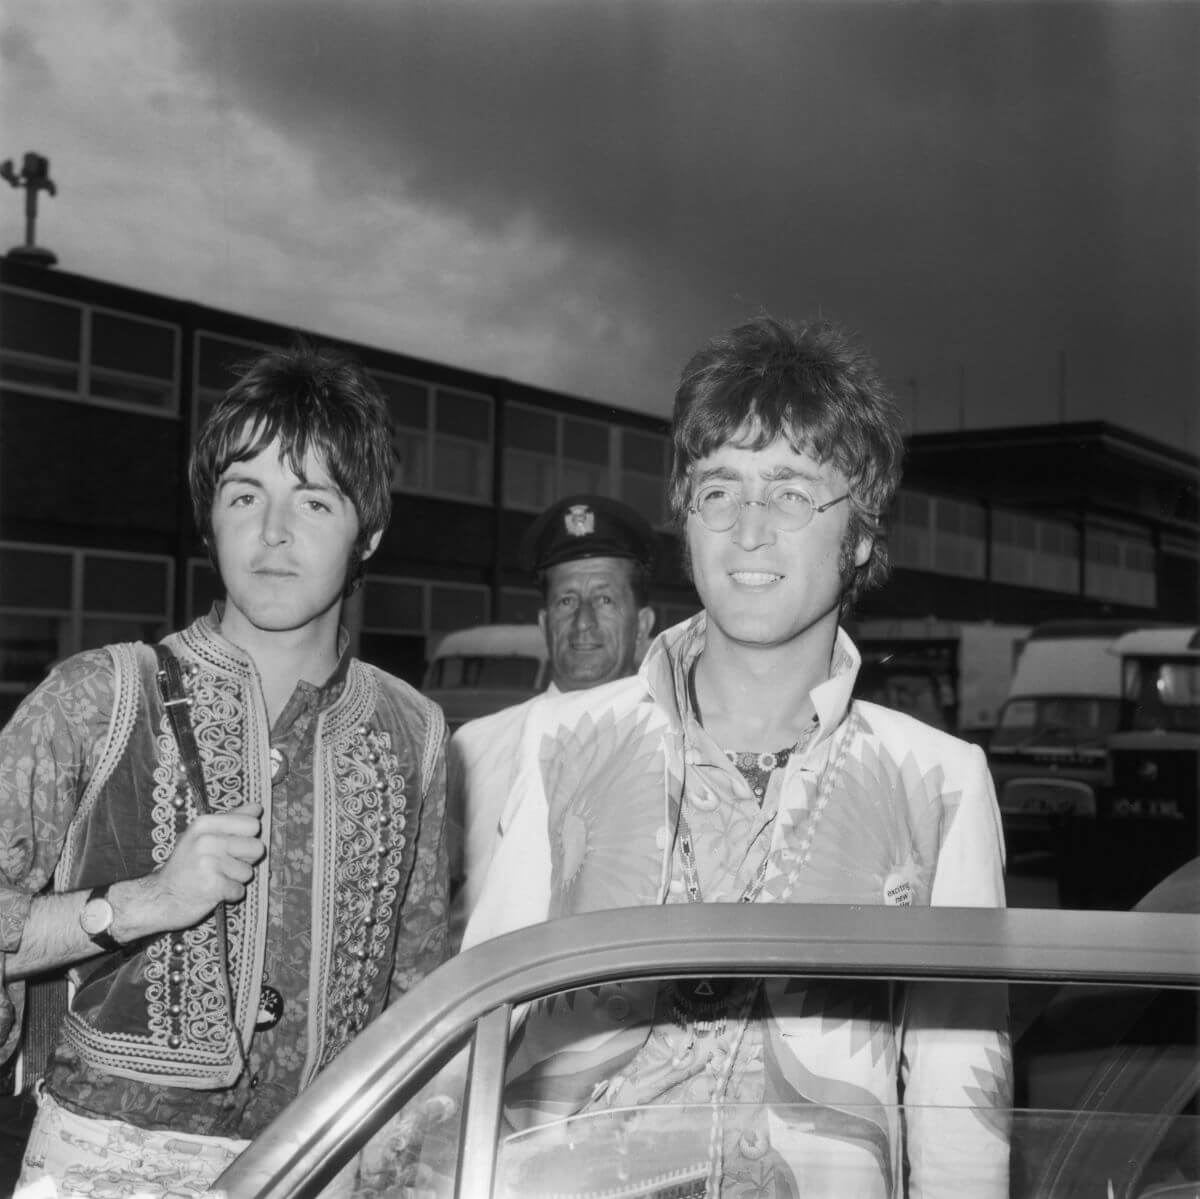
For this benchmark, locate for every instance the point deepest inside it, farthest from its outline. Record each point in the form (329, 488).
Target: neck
(757, 698)
(284, 658)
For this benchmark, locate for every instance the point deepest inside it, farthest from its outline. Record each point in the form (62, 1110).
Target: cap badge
(580, 520)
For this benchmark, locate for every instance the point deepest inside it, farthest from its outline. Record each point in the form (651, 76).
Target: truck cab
(1049, 755)
(1145, 821)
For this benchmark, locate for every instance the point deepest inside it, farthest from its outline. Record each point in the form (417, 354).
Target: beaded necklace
(756, 769)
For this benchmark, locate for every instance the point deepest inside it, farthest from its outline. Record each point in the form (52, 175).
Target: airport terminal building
(102, 386)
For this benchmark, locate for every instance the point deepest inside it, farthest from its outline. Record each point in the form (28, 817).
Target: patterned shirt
(50, 747)
(801, 1080)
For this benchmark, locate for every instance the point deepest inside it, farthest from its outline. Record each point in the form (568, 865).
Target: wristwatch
(96, 917)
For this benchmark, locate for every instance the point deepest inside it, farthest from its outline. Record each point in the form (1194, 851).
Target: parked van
(1048, 754)
(475, 672)
(953, 674)
(1146, 821)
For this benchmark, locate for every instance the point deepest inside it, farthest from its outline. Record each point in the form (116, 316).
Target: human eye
(790, 498)
(715, 495)
(315, 505)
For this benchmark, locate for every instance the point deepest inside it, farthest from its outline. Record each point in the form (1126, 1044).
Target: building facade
(103, 386)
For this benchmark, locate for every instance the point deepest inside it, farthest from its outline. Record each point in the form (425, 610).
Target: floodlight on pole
(34, 177)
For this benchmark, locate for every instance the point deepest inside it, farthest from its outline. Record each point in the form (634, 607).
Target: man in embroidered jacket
(323, 837)
(736, 766)
(592, 557)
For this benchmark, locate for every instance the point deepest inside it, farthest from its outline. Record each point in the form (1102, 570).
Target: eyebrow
(242, 479)
(729, 475)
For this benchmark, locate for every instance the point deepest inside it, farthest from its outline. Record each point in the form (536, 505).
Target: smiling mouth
(754, 578)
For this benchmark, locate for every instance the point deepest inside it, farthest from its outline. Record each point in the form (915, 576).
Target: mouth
(754, 578)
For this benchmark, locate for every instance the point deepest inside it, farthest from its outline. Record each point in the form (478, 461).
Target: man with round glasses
(737, 767)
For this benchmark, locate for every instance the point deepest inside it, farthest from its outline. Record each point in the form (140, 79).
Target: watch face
(96, 916)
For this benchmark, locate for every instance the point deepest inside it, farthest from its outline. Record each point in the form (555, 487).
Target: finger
(238, 872)
(247, 849)
(226, 824)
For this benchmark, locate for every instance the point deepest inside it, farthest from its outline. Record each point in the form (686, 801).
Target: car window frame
(472, 999)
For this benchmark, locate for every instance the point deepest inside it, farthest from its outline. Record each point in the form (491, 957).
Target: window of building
(585, 457)
(1120, 566)
(94, 355)
(203, 588)
(530, 458)
(403, 619)
(519, 605)
(959, 538)
(219, 362)
(645, 471)
(1030, 551)
(548, 455)
(56, 601)
(443, 438)
(910, 537)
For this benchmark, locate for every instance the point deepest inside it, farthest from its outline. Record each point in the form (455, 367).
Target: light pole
(34, 177)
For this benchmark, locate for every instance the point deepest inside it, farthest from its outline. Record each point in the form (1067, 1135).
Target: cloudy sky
(1002, 197)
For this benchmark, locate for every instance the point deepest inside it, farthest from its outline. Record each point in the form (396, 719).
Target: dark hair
(639, 580)
(813, 385)
(308, 398)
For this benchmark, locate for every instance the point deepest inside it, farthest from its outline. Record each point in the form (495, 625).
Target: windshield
(1056, 720)
(487, 672)
(1163, 695)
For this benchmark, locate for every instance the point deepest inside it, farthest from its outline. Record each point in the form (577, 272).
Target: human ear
(371, 546)
(645, 624)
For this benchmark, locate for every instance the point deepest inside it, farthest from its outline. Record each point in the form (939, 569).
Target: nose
(585, 615)
(753, 526)
(276, 524)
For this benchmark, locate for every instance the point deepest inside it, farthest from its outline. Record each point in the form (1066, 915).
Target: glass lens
(718, 508)
(790, 507)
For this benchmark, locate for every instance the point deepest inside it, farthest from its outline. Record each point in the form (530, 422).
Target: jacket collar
(665, 668)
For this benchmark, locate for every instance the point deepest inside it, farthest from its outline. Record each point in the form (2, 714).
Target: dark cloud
(19, 53)
(986, 184)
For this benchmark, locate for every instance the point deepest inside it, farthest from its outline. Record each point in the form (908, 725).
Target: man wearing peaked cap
(592, 558)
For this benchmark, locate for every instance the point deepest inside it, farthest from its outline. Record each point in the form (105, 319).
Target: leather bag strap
(179, 704)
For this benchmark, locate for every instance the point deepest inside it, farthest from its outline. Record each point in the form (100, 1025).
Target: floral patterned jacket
(877, 809)
(91, 791)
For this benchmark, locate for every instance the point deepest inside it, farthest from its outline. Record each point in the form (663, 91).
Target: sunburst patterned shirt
(877, 808)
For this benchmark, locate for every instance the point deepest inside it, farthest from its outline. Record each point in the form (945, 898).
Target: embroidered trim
(123, 721)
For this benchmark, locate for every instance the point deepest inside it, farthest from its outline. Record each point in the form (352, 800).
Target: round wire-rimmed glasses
(790, 507)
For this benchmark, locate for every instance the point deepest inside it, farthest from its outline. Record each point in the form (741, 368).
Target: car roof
(476, 990)
(515, 640)
(1184, 641)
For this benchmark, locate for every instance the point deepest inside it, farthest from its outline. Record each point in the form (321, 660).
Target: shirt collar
(665, 668)
(326, 691)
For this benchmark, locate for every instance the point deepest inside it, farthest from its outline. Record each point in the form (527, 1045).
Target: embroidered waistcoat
(159, 1013)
